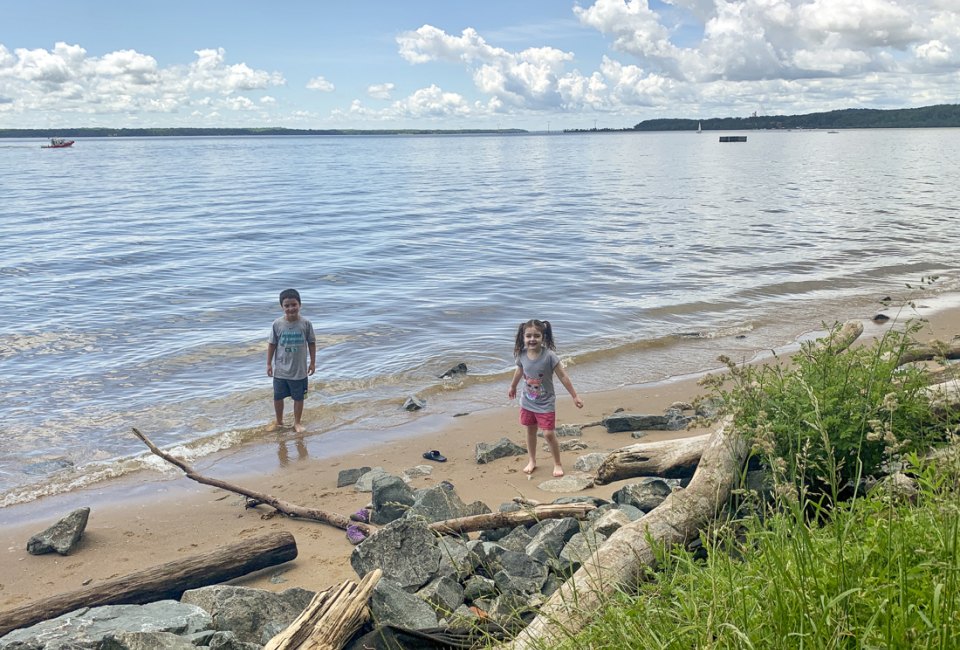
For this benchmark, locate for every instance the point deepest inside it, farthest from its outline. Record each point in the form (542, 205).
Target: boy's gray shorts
(295, 388)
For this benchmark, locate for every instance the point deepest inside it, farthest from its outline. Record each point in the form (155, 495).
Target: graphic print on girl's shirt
(534, 388)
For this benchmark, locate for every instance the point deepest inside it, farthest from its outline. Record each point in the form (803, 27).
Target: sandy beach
(150, 518)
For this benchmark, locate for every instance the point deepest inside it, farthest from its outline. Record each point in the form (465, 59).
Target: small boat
(57, 143)
(699, 130)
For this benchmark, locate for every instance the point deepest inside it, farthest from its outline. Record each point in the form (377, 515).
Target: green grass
(881, 573)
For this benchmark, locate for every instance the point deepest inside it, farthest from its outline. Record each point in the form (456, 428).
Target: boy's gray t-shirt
(291, 339)
(537, 394)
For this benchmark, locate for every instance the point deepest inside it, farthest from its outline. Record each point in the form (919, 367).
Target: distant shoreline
(939, 116)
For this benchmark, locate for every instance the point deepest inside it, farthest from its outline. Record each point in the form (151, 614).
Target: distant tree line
(943, 115)
(140, 133)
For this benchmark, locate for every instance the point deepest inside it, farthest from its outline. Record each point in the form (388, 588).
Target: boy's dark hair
(290, 293)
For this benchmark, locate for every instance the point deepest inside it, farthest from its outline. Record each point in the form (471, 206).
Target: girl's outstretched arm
(512, 393)
(565, 380)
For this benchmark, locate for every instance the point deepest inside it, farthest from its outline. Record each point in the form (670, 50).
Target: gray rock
(414, 403)
(444, 594)
(392, 497)
(580, 547)
(230, 641)
(89, 627)
(146, 641)
(61, 537)
(456, 560)
(645, 494)
(405, 550)
(350, 476)
(672, 421)
(389, 603)
(365, 482)
(442, 502)
(589, 462)
(488, 452)
(477, 587)
(254, 615)
(550, 539)
(416, 472)
(567, 483)
(520, 573)
(516, 540)
(486, 557)
(569, 431)
(494, 534)
(610, 522)
(459, 369)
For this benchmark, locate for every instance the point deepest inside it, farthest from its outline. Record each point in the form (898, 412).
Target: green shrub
(827, 417)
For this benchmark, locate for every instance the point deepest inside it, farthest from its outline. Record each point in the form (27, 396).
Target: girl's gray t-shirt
(291, 339)
(537, 394)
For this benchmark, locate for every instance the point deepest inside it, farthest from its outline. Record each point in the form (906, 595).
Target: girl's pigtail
(548, 335)
(518, 341)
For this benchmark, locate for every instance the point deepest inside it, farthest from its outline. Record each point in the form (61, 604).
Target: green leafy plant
(826, 417)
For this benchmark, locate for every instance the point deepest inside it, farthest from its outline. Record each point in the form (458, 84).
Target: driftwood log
(285, 507)
(666, 458)
(493, 520)
(331, 618)
(621, 560)
(168, 580)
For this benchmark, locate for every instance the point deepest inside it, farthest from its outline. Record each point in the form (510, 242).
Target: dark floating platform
(733, 138)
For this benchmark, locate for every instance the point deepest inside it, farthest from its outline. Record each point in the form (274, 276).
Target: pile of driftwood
(714, 460)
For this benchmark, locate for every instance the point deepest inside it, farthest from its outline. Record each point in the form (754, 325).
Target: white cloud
(321, 84)
(380, 91)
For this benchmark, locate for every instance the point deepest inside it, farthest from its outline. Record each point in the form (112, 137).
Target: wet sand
(150, 518)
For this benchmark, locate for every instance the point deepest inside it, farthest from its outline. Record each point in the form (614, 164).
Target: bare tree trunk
(331, 618)
(667, 458)
(289, 509)
(503, 519)
(168, 580)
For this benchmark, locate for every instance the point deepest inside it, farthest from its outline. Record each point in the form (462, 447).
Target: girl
(537, 362)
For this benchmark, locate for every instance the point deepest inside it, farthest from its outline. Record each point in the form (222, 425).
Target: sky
(465, 64)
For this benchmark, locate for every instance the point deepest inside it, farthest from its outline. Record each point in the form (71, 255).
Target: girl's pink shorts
(546, 421)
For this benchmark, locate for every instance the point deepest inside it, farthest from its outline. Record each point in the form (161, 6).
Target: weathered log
(168, 580)
(665, 458)
(493, 520)
(944, 396)
(285, 507)
(620, 561)
(331, 618)
(929, 352)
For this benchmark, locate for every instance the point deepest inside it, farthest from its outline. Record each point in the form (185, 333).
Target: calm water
(139, 277)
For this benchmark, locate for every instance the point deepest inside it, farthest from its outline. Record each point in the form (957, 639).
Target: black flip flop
(433, 454)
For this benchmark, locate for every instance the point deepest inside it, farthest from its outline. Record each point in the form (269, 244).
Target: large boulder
(405, 550)
(254, 615)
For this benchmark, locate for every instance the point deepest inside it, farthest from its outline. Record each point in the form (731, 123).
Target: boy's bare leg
(297, 414)
(531, 448)
(278, 411)
(551, 438)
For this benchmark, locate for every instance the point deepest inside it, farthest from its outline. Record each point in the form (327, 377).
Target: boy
(290, 338)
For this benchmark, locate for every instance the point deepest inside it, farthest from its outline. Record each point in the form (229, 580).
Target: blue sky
(459, 64)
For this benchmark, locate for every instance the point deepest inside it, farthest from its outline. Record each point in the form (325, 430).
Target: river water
(139, 276)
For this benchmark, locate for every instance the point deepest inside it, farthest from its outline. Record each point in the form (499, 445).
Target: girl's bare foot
(299, 428)
(273, 426)
(530, 467)
(557, 471)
